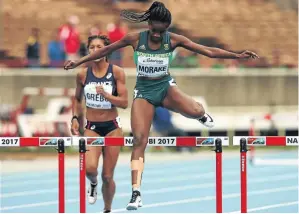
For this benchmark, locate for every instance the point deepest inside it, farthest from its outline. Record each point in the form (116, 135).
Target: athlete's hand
(70, 65)
(100, 90)
(75, 127)
(248, 54)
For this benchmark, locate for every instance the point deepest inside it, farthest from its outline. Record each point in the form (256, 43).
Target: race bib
(152, 66)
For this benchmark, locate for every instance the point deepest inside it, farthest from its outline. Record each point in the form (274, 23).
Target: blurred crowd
(67, 44)
(187, 59)
(115, 1)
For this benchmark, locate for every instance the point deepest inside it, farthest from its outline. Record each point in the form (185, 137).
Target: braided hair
(157, 12)
(105, 39)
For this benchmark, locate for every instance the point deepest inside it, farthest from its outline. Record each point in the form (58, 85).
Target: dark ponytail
(157, 12)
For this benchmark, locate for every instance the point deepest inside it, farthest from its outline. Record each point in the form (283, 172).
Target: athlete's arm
(127, 40)
(77, 107)
(121, 100)
(182, 41)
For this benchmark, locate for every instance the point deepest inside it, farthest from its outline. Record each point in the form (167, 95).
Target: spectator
(115, 33)
(219, 64)
(83, 49)
(178, 59)
(276, 55)
(262, 63)
(69, 35)
(56, 51)
(95, 30)
(33, 49)
(184, 59)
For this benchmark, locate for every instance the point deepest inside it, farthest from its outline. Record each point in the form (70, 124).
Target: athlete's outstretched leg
(142, 113)
(182, 103)
(92, 162)
(110, 157)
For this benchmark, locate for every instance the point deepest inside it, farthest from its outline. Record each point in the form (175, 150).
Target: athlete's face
(95, 45)
(157, 30)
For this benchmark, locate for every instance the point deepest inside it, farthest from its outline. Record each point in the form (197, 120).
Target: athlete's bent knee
(201, 109)
(91, 170)
(107, 179)
(140, 141)
(197, 111)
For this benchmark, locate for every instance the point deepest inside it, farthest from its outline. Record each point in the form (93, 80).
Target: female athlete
(103, 85)
(155, 87)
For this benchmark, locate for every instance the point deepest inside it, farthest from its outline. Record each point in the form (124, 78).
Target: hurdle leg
(82, 171)
(218, 151)
(61, 173)
(243, 168)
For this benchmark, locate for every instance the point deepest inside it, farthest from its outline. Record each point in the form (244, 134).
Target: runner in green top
(155, 87)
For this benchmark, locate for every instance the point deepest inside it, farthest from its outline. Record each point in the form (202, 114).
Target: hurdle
(83, 142)
(253, 141)
(217, 142)
(58, 143)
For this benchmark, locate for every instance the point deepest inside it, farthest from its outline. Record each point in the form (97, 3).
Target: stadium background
(264, 90)
(245, 97)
